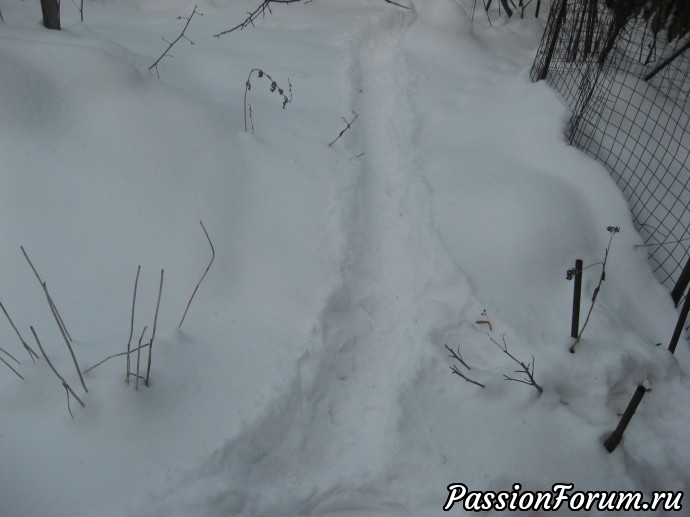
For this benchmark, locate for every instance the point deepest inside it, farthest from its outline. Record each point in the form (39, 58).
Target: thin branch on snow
(182, 35)
(527, 369)
(213, 256)
(10, 367)
(396, 3)
(347, 126)
(253, 15)
(272, 88)
(456, 355)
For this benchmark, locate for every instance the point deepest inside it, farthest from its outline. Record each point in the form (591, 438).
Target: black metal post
(577, 292)
(612, 442)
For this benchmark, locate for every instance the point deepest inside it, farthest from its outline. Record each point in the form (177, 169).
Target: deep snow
(310, 376)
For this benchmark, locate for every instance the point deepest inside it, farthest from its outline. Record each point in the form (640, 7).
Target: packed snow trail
(374, 334)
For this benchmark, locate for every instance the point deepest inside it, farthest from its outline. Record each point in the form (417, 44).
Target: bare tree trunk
(51, 14)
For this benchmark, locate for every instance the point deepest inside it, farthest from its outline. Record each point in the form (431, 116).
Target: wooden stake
(577, 292)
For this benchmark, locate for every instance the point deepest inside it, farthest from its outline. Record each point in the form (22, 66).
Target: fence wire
(628, 85)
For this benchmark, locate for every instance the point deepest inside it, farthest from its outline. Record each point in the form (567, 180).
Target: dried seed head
(274, 85)
(261, 73)
(613, 229)
(248, 85)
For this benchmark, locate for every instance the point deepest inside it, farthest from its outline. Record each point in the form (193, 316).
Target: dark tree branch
(213, 256)
(139, 347)
(456, 355)
(251, 16)
(170, 45)
(347, 126)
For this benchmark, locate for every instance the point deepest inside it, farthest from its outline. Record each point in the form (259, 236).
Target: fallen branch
(259, 11)
(213, 256)
(32, 354)
(170, 45)
(64, 382)
(348, 124)
(527, 369)
(153, 332)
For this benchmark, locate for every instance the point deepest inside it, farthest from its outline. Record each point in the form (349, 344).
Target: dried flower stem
(131, 323)
(153, 332)
(348, 124)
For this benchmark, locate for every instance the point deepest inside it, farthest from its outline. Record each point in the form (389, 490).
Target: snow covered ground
(310, 376)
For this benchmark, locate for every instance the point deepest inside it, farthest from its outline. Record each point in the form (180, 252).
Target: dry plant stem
(10, 367)
(131, 322)
(527, 369)
(347, 126)
(213, 256)
(32, 354)
(661, 243)
(139, 347)
(170, 45)
(259, 11)
(45, 290)
(64, 383)
(602, 277)
(64, 336)
(127, 353)
(153, 332)
(274, 87)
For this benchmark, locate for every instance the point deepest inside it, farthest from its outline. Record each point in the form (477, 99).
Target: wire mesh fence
(624, 70)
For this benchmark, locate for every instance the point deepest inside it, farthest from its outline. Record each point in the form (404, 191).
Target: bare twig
(153, 332)
(613, 230)
(347, 126)
(251, 16)
(396, 3)
(273, 88)
(456, 355)
(170, 45)
(527, 369)
(213, 256)
(64, 382)
(53, 307)
(32, 354)
(131, 322)
(127, 353)
(139, 347)
(10, 367)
